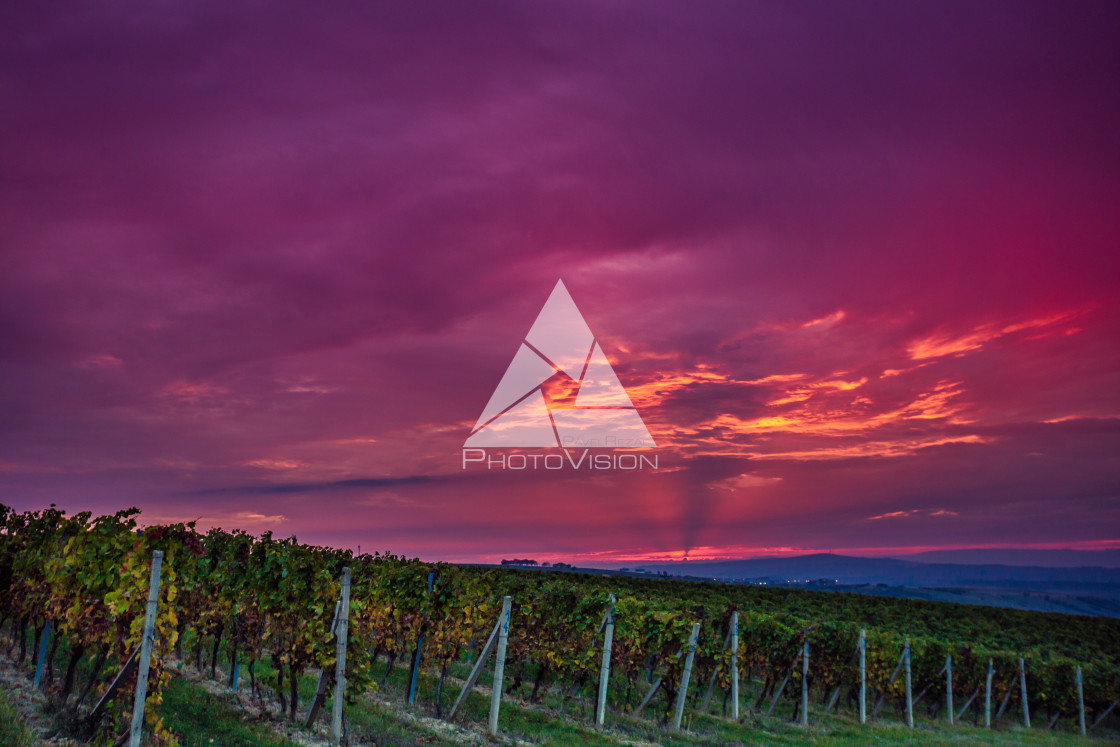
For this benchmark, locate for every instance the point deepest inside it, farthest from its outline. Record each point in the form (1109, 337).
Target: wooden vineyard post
(988, 697)
(416, 654)
(605, 668)
(324, 676)
(499, 665)
(909, 694)
(1023, 694)
(126, 671)
(683, 691)
(655, 686)
(735, 665)
(782, 686)
(840, 686)
(894, 676)
(703, 707)
(1006, 699)
(805, 684)
(146, 650)
(233, 669)
(649, 696)
(1080, 701)
(863, 676)
(967, 703)
(949, 686)
(477, 670)
(1100, 719)
(340, 660)
(42, 653)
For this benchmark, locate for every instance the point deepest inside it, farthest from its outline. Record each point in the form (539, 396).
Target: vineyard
(269, 614)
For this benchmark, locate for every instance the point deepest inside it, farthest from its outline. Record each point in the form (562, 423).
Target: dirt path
(30, 703)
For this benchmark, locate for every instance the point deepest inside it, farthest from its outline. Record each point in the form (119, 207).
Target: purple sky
(858, 265)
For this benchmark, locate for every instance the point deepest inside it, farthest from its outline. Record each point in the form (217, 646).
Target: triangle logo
(521, 414)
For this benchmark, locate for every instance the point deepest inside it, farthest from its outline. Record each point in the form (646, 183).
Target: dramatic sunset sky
(857, 264)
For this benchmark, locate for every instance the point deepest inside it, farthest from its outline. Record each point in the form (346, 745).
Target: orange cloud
(789, 399)
(275, 464)
(937, 403)
(893, 515)
(232, 519)
(742, 481)
(653, 393)
(891, 448)
(778, 378)
(825, 321)
(804, 392)
(941, 344)
(911, 512)
(889, 372)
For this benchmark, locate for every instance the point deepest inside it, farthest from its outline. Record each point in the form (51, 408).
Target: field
(259, 613)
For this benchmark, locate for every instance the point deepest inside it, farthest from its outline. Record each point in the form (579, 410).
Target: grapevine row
(266, 600)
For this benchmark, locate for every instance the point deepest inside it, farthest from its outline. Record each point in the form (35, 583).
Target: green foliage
(274, 600)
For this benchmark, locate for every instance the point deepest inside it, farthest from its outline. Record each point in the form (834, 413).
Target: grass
(201, 719)
(13, 733)
(372, 722)
(541, 724)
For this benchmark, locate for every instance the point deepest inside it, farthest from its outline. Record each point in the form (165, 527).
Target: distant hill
(844, 569)
(1017, 556)
(1067, 586)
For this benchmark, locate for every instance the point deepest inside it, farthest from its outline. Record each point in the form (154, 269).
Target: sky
(856, 264)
